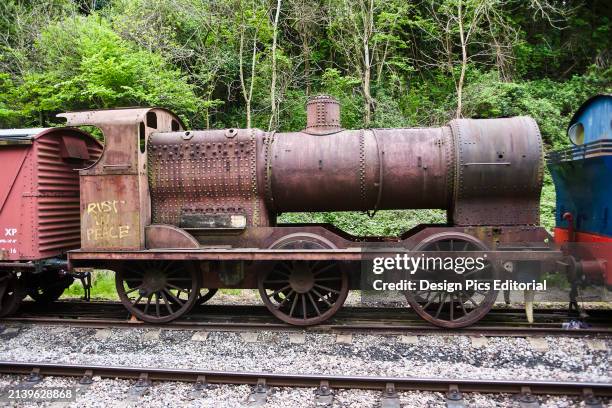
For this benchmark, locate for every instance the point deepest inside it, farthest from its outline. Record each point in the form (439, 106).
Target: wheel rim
(460, 308)
(157, 291)
(11, 293)
(206, 294)
(303, 293)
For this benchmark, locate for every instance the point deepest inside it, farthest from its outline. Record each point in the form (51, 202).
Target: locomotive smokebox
(322, 115)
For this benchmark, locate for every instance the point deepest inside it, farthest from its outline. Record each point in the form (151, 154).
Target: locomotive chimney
(322, 115)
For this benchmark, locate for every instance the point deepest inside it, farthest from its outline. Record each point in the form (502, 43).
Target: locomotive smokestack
(322, 115)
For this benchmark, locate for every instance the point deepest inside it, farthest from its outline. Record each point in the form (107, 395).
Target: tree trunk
(463, 61)
(367, 64)
(273, 84)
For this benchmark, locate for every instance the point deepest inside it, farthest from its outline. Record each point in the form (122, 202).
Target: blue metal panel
(584, 188)
(595, 115)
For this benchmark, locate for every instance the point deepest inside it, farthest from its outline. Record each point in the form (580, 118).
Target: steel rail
(367, 320)
(309, 380)
(421, 329)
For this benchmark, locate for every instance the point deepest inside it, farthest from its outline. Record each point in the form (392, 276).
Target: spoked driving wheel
(304, 293)
(11, 293)
(460, 305)
(157, 291)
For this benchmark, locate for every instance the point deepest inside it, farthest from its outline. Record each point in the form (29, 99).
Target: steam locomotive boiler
(177, 214)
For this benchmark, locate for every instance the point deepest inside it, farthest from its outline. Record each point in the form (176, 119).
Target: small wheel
(11, 293)
(459, 308)
(50, 292)
(206, 295)
(157, 291)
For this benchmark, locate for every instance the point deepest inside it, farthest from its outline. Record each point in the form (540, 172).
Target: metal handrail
(597, 148)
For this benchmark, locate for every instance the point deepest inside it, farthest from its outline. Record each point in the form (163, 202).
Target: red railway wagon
(39, 209)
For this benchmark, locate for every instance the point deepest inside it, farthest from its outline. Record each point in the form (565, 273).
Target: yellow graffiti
(100, 233)
(103, 207)
(104, 215)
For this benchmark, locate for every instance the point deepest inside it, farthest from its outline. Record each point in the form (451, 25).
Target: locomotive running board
(253, 254)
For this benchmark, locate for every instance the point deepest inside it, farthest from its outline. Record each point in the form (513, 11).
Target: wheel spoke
(441, 304)
(146, 309)
(321, 297)
(167, 303)
(452, 306)
(305, 315)
(314, 304)
(460, 298)
(430, 301)
(157, 304)
(137, 300)
(293, 304)
(133, 289)
(324, 269)
(276, 292)
(472, 301)
(285, 299)
(327, 288)
(174, 287)
(335, 278)
(176, 299)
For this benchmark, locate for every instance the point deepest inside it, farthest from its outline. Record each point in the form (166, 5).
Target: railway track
(499, 322)
(325, 384)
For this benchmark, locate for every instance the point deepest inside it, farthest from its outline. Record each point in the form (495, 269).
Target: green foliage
(59, 55)
(85, 64)
(102, 286)
(552, 104)
(384, 223)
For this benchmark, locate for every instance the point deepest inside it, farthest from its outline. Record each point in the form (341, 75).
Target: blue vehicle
(583, 180)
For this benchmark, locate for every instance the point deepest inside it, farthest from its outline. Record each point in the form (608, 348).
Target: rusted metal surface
(168, 236)
(499, 171)
(359, 170)
(115, 200)
(207, 172)
(39, 191)
(485, 172)
(249, 254)
(322, 115)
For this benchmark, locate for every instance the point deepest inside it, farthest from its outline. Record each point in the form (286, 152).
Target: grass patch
(102, 287)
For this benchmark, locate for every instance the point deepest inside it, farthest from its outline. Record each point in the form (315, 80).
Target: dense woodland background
(240, 63)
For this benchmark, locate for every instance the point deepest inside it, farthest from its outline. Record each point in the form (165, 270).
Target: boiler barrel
(485, 171)
(361, 170)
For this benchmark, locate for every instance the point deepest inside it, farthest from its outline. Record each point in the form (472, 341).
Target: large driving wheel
(457, 308)
(157, 291)
(300, 292)
(11, 293)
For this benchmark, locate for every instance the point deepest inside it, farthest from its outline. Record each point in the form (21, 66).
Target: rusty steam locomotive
(177, 214)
